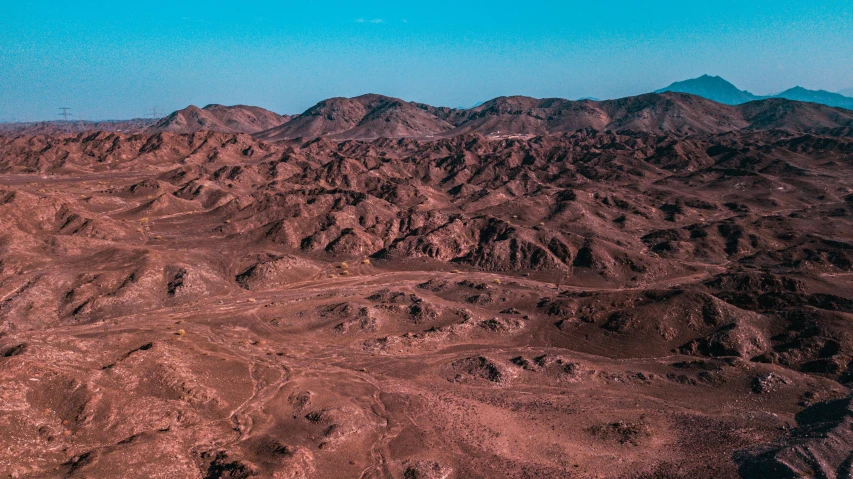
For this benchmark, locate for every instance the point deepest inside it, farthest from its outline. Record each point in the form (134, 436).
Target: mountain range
(376, 116)
(720, 90)
(706, 105)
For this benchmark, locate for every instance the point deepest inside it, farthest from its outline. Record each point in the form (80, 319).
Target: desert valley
(658, 286)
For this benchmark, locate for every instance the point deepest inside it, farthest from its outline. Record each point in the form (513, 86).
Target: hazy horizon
(112, 61)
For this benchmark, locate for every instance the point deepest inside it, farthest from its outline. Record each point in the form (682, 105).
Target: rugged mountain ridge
(365, 116)
(376, 116)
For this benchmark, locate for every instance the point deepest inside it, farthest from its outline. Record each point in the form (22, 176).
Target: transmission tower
(65, 113)
(152, 112)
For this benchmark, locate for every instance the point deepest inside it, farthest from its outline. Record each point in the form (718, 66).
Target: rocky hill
(219, 118)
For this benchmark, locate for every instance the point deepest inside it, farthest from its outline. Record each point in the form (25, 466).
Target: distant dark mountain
(817, 96)
(226, 119)
(721, 91)
(713, 88)
(848, 92)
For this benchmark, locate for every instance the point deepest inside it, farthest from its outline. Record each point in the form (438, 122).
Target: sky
(117, 60)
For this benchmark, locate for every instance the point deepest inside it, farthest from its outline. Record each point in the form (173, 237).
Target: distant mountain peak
(823, 97)
(718, 78)
(720, 90)
(714, 88)
(798, 90)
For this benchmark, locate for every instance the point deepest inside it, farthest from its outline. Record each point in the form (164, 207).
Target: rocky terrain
(654, 287)
(73, 127)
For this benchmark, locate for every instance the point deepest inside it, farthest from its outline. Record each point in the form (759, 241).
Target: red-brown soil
(662, 303)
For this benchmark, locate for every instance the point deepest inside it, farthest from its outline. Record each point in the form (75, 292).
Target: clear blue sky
(118, 59)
